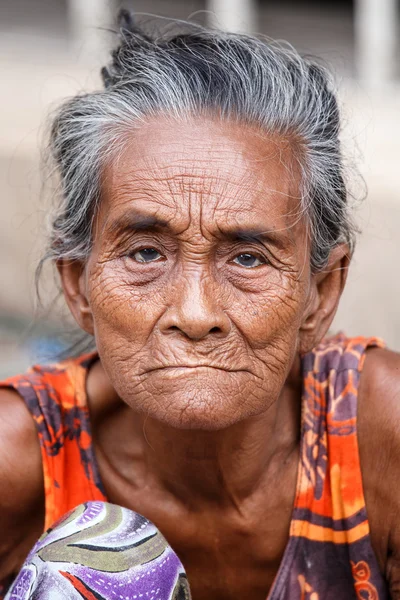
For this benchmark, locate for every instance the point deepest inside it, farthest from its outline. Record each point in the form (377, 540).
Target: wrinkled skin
(197, 337)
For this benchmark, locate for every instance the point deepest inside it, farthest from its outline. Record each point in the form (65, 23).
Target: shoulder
(379, 400)
(21, 482)
(379, 443)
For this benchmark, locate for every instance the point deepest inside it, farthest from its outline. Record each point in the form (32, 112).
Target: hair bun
(131, 36)
(125, 20)
(126, 23)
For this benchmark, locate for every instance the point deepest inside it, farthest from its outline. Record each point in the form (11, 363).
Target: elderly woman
(203, 240)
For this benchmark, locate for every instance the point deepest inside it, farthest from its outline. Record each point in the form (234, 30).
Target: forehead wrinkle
(235, 187)
(220, 188)
(192, 189)
(153, 170)
(234, 204)
(243, 187)
(142, 179)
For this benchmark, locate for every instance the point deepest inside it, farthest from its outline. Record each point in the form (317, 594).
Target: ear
(73, 281)
(326, 290)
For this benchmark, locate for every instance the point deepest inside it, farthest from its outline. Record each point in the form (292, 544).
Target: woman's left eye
(146, 255)
(249, 261)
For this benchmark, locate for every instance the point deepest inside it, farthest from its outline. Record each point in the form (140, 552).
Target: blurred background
(51, 49)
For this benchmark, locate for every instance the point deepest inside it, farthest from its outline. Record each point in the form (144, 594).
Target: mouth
(196, 367)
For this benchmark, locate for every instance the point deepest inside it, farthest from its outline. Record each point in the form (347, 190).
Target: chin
(191, 399)
(197, 420)
(205, 407)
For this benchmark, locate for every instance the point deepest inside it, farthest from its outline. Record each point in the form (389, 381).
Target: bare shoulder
(21, 482)
(379, 443)
(379, 403)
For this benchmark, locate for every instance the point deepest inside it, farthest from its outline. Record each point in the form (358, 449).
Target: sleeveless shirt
(329, 554)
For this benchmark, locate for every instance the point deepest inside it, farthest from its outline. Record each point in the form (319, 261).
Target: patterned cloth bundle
(100, 551)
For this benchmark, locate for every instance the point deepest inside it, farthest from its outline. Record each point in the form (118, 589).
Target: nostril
(215, 330)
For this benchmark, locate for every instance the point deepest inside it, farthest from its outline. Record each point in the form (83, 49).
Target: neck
(220, 467)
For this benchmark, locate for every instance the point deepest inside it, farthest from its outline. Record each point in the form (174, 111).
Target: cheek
(273, 313)
(123, 315)
(270, 325)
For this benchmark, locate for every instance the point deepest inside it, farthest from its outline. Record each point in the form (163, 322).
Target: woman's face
(199, 282)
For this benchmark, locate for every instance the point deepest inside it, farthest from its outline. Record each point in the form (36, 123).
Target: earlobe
(326, 289)
(72, 275)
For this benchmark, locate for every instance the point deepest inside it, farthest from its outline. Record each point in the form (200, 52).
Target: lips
(194, 367)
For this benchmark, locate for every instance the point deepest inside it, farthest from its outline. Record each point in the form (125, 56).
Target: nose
(194, 310)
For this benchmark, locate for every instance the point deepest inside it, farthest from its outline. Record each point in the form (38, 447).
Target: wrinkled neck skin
(226, 467)
(220, 468)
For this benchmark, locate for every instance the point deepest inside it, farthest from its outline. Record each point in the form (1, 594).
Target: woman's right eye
(147, 255)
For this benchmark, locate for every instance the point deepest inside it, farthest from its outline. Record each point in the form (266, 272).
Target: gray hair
(201, 71)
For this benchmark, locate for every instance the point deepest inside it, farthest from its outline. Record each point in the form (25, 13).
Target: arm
(21, 483)
(379, 442)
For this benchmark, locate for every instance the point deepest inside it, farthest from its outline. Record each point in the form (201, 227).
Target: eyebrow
(137, 221)
(254, 235)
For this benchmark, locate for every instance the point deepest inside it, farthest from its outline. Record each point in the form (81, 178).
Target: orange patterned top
(56, 398)
(329, 554)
